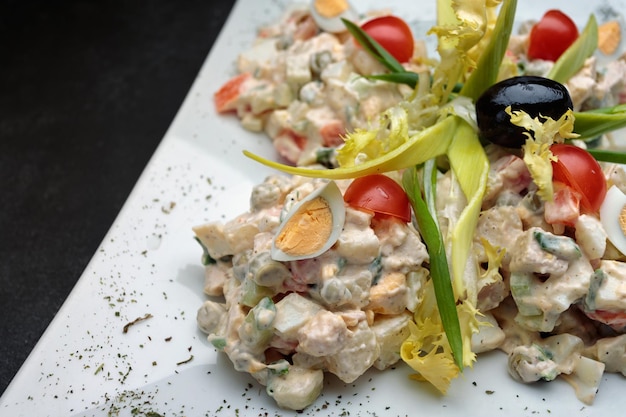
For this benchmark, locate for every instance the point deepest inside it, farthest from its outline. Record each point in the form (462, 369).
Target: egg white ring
(612, 206)
(334, 24)
(332, 194)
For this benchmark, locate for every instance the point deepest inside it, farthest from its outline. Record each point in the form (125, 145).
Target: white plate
(149, 263)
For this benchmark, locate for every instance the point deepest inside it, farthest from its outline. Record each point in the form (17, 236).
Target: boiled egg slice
(328, 14)
(311, 226)
(613, 217)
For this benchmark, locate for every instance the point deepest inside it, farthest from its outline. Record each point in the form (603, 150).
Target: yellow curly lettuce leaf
(460, 27)
(491, 51)
(435, 365)
(427, 350)
(495, 255)
(542, 132)
(365, 145)
(491, 15)
(413, 150)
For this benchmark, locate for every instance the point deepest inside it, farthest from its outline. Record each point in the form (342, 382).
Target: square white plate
(149, 264)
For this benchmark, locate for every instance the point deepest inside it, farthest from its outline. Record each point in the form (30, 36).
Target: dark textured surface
(87, 91)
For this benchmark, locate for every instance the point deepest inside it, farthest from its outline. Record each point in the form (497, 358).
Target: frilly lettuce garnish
(427, 349)
(541, 133)
(490, 52)
(495, 256)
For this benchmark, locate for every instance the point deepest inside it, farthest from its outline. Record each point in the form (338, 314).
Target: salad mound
(386, 243)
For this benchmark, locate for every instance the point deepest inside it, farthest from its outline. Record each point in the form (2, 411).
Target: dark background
(87, 91)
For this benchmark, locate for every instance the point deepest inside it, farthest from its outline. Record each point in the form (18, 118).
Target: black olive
(532, 94)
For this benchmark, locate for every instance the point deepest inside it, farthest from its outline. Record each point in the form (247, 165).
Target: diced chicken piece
(402, 248)
(528, 256)
(214, 279)
(540, 303)
(360, 351)
(508, 173)
(323, 335)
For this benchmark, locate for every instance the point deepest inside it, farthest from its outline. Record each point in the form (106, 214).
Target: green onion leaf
(574, 57)
(486, 72)
(373, 47)
(608, 156)
(439, 271)
(407, 77)
(593, 123)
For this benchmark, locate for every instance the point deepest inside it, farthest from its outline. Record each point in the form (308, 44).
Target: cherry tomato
(393, 34)
(577, 169)
(379, 194)
(551, 36)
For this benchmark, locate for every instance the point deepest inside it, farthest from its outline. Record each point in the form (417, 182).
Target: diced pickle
(561, 246)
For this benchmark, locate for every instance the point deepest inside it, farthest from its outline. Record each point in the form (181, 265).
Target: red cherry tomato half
(393, 34)
(576, 168)
(379, 194)
(551, 36)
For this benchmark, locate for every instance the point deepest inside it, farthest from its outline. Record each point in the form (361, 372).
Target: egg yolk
(331, 8)
(307, 230)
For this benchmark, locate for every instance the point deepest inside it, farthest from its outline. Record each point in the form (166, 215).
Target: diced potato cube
(390, 332)
(292, 312)
(360, 351)
(296, 389)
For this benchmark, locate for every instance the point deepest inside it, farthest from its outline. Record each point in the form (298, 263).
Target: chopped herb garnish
(137, 320)
(99, 368)
(185, 361)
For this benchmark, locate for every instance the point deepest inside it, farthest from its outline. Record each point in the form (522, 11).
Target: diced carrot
(226, 97)
(331, 133)
(289, 145)
(615, 319)
(565, 206)
(299, 140)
